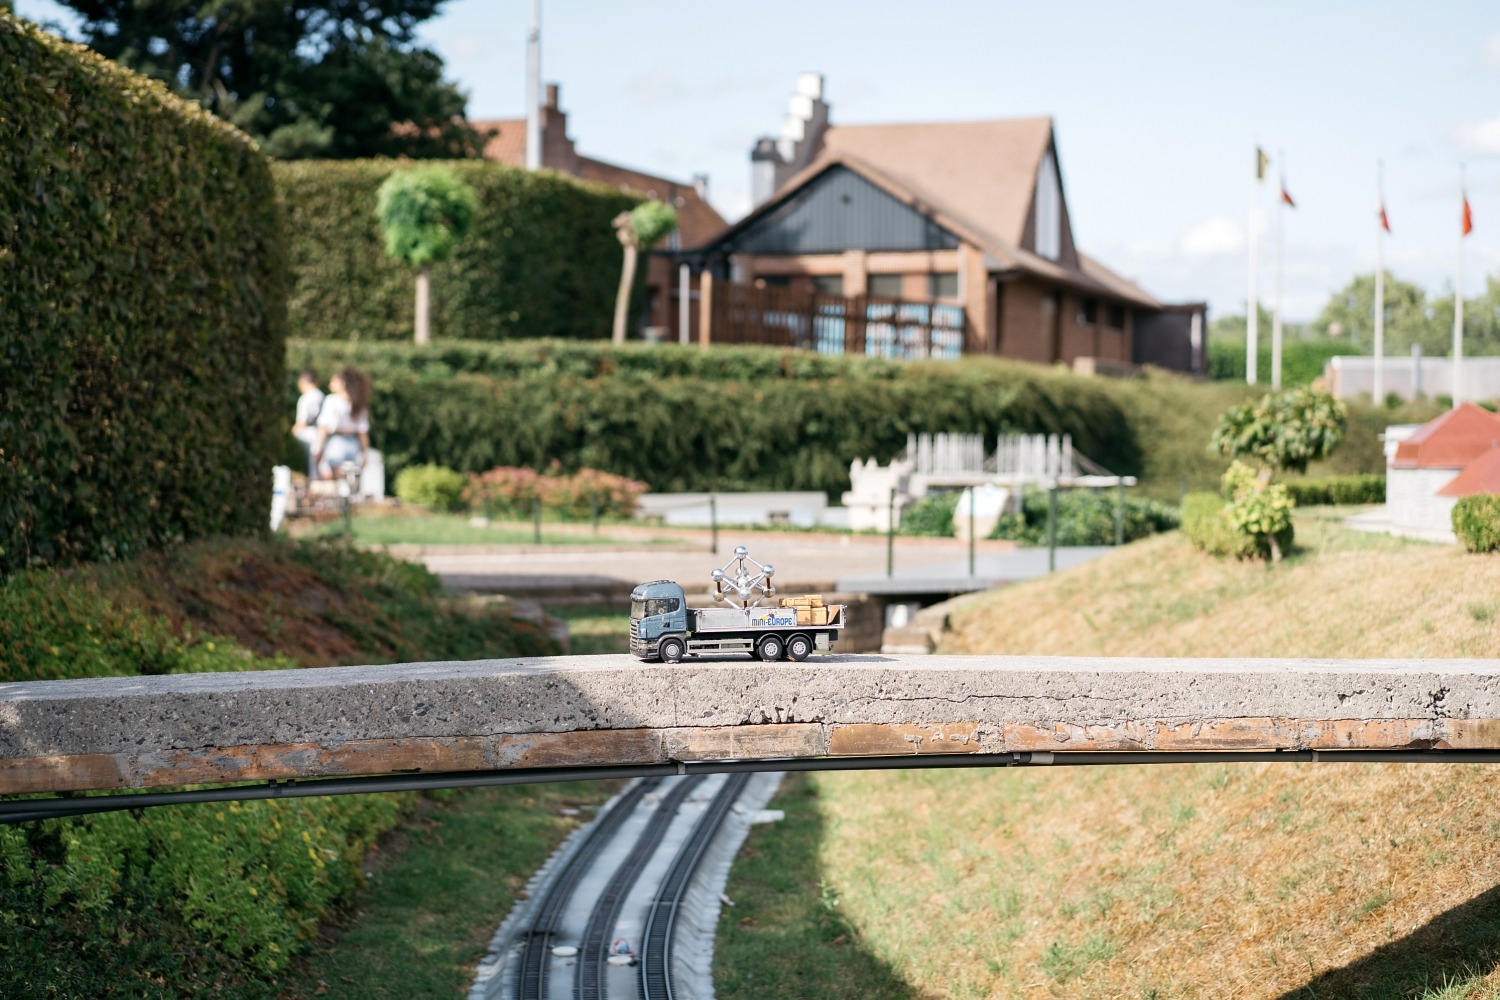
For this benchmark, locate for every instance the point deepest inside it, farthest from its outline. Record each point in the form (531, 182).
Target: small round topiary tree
(1282, 431)
(640, 228)
(424, 213)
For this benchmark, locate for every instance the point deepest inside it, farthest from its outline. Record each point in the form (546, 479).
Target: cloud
(658, 86)
(1213, 237)
(1482, 137)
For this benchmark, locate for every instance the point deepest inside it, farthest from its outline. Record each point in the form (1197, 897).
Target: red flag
(1384, 222)
(1287, 198)
(1468, 215)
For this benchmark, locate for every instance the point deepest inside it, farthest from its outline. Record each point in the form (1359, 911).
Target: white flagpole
(534, 89)
(1377, 387)
(1276, 308)
(1252, 318)
(1458, 297)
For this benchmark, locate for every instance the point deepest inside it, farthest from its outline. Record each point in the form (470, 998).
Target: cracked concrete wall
(485, 714)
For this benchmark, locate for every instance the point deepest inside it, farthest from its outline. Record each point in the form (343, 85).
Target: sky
(1158, 106)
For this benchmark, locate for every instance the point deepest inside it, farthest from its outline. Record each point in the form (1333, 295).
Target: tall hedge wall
(142, 312)
(541, 260)
(682, 419)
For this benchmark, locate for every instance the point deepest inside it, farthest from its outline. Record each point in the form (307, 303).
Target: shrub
(585, 493)
(143, 293)
(1476, 521)
(1244, 525)
(431, 486)
(1302, 361)
(1335, 490)
(1205, 522)
(539, 260)
(1085, 517)
(1282, 430)
(932, 515)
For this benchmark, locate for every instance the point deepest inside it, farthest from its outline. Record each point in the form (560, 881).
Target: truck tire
(799, 647)
(770, 648)
(671, 650)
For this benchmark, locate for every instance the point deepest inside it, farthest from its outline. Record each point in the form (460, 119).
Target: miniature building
(1455, 455)
(968, 213)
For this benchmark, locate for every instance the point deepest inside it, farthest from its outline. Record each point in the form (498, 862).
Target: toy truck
(663, 627)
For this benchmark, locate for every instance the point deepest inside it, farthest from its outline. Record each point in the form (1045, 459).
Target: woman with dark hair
(343, 424)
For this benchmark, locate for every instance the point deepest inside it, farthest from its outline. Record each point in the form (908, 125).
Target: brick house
(697, 219)
(972, 213)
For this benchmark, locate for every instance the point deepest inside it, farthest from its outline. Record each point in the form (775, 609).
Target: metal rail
(21, 810)
(593, 949)
(656, 939)
(536, 953)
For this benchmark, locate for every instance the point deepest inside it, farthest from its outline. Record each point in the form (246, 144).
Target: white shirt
(336, 418)
(308, 405)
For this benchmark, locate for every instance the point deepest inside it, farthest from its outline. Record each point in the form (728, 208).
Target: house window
(887, 285)
(829, 284)
(1048, 209)
(1114, 317)
(942, 286)
(774, 281)
(1088, 312)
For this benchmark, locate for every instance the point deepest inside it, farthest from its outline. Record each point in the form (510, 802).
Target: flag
(1385, 223)
(1262, 161)
(1286, 197)
(1468, 215)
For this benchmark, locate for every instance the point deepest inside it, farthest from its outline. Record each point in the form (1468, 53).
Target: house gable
(835, 211)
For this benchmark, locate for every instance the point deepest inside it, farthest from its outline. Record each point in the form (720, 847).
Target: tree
(1282, 430)
(340, 78)
(1409, 318)
(424, 212)
(642, 226)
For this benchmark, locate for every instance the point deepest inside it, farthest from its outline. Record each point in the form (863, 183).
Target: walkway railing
(833, 324)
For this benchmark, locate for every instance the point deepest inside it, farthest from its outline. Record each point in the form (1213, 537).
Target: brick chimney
(557, 149)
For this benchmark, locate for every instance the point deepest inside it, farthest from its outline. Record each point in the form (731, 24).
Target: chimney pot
(552, 96)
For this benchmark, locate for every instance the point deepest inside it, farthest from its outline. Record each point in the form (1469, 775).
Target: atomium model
(735, 581)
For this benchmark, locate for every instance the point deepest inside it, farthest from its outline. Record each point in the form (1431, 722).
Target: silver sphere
(769, 570)
(741, 550)
(742, 591)
(717, 575)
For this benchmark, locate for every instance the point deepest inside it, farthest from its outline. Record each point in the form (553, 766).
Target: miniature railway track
(536, 953)
(656, 941)
(589, 981)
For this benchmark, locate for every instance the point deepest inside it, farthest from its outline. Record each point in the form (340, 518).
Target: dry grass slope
(1192, 881)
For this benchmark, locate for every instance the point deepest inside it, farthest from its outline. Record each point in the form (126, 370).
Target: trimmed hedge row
(142, 297)
(679, 419)
(1476, 522)
(541, 258)
(1323, 491)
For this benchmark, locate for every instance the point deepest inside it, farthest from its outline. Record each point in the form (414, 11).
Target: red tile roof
(1452, 440)
(1480, 476)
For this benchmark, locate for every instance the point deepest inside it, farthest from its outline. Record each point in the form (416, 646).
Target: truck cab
(657, 608)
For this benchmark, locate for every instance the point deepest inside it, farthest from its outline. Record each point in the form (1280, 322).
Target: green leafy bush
(1085, 517)
(539, 260)
(1282, 430)
(432, 486)
(1334, 490)
(1302, 361)
(1243, 520)
(931, 516)
(142, 285)
(1205, 522)
(1476, 522)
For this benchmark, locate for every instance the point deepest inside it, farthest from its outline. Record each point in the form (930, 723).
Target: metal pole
(1252, 299)
(1276, 311)
(1377, 384)
(594, 514)
(1458, 301)
(684, 303)
(1052, 529)
(713, 524)
(534, 89)
(890, 537)
(972, 505)
(1119, 512)
(536, 520)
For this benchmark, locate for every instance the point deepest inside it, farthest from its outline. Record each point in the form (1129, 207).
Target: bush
(431, 486)
(1084, 517)
(1476, 522)
(1302, 361)
(1242, 526)
(679, 418)
(585, 493)
(540, 259)
(143, 293)
(1205, 522)
(1323, 491)
(932, 515)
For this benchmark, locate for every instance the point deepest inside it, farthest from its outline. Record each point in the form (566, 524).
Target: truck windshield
(652, 608)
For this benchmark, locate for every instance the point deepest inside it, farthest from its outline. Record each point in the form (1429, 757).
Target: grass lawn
(437, 889)
(1166, 881)
(412, 527)
(594, 629)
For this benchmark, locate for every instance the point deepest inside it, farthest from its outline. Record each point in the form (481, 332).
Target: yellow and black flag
(1262, 161)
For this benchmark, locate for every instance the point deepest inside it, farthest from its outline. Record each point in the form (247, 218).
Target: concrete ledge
(565, 711)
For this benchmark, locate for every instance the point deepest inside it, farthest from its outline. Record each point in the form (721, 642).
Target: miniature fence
(832, 324)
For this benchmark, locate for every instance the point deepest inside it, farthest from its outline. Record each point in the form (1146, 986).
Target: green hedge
(1476, 522)
(142, 303)
(1301, 360)
(1085, 517)
(1323, 491)
(540, 260)
(678, 418)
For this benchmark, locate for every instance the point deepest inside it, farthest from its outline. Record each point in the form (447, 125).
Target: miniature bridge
(345, 729)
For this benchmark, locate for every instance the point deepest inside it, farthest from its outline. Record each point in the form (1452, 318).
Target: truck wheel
(671, 650)
(799, 647)
(770, 648)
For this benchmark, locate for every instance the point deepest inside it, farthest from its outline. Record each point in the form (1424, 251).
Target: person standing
(308, 404)
(343, 424)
